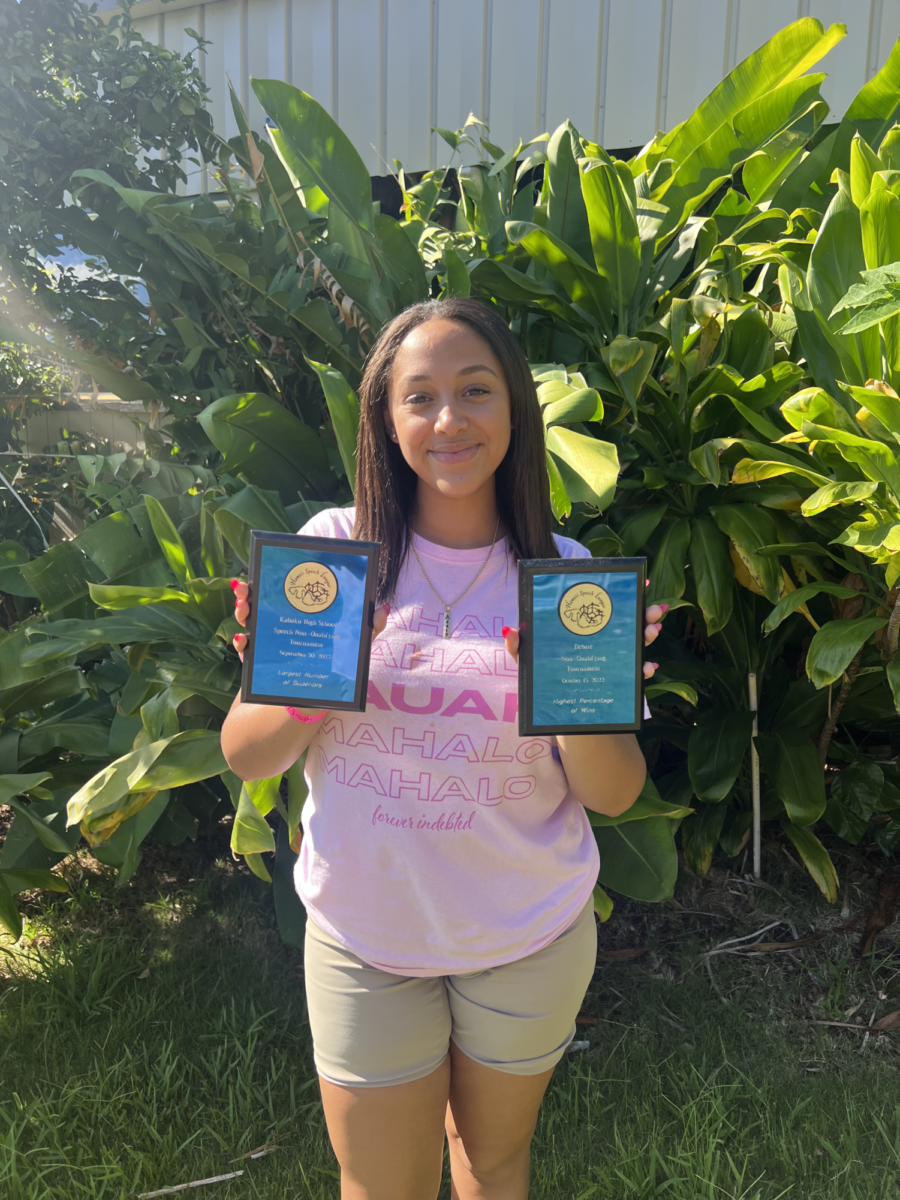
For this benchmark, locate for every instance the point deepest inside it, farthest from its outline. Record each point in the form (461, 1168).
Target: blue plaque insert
(310, 630)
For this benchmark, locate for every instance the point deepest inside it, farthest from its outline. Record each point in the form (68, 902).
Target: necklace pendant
(445, 631)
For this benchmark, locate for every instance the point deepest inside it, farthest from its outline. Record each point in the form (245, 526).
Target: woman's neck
(461, 524)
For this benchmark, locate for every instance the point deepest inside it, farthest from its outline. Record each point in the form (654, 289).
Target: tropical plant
(663, 301)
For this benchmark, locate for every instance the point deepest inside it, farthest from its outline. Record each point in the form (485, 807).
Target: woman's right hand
(242, 614)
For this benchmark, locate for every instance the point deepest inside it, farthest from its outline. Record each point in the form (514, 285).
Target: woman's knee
(491, 1163)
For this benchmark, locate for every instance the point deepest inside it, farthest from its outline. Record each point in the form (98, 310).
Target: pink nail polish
(234, 584)
(664, 607)
(506, 631)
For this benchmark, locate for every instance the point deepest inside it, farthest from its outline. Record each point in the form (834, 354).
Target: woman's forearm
(261, 740)
(605, 772)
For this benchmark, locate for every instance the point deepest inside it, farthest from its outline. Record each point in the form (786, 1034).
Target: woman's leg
(389, 1141)
(490, 1123)
(511, 1026)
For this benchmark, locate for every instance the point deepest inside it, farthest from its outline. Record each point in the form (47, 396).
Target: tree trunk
(831, 724)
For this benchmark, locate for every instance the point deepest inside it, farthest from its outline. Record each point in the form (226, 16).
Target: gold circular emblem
(585, 609)
(310, 587)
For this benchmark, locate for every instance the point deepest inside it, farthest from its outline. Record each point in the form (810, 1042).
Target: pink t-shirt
(436, 840)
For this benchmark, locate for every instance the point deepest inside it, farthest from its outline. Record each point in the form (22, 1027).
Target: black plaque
(312, 601)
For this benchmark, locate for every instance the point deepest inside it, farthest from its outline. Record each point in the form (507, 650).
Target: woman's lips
(452, 455)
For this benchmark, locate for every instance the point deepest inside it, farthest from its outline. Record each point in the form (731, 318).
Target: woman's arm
(262, 740)
(605, 772)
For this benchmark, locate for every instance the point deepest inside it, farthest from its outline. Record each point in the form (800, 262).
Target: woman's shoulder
(331, 522)
(569, 548)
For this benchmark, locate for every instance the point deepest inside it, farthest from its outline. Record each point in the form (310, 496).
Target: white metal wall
(389, 70)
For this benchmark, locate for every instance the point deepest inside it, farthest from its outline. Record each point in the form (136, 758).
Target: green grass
(149, 1039)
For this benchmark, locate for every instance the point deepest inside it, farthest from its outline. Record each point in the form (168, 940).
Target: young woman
(447, 864)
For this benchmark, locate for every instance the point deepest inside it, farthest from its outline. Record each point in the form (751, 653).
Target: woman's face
(448, 407)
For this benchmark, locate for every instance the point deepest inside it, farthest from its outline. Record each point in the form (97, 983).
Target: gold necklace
(445, 632)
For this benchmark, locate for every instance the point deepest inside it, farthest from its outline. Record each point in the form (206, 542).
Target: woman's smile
(455, 453)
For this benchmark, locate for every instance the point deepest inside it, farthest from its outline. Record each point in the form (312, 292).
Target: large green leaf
(145, 624)
(589, 467)
(126, 785)
(795, 103)
(877, 461)
(791, 762)
(872, 112)
(251, 508)
(566, 213)
(749, 528)
(648, 804)
(639, 858)
(123, 848)
(835, 646)
(880, 218)
(289, 910)
(578, 277)
(581, 404)
(700, 836)
(10, 917)
(713, 572)
(831, 494)
(816, 859)
(785, 57)
(666, 576)
(315, 148)
(614, 237)
(716, 749)
(793, 600)
(262, 441)
(343, 406)
(80, 734)
(49, 838)
(250, 833)
(169, 539)
(835, 265)
(20, 785)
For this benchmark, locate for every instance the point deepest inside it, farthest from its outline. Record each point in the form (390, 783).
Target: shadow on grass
(149, 1037)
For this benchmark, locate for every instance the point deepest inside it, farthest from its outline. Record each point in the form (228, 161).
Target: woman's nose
(449, 420)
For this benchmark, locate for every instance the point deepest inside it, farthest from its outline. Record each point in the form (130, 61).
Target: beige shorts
(372, 1029)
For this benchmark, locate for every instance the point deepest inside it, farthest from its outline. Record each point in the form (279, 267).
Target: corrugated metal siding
(390, 70)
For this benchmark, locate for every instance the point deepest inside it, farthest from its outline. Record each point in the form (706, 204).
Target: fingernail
(388, 607)
(664, 607)
(655, 666)
(234, 584)
(506, 630)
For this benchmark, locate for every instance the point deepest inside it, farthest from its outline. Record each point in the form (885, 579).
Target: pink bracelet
(299, 716)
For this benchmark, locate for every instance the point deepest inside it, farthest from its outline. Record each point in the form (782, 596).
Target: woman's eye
(476, 390)
(417, 399)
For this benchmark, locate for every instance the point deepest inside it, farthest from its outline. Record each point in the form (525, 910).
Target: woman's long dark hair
(385, 482)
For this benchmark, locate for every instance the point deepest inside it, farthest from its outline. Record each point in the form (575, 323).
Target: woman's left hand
(653, 616)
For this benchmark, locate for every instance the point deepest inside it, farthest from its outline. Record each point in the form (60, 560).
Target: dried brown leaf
(608, 956)
(257, 162)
